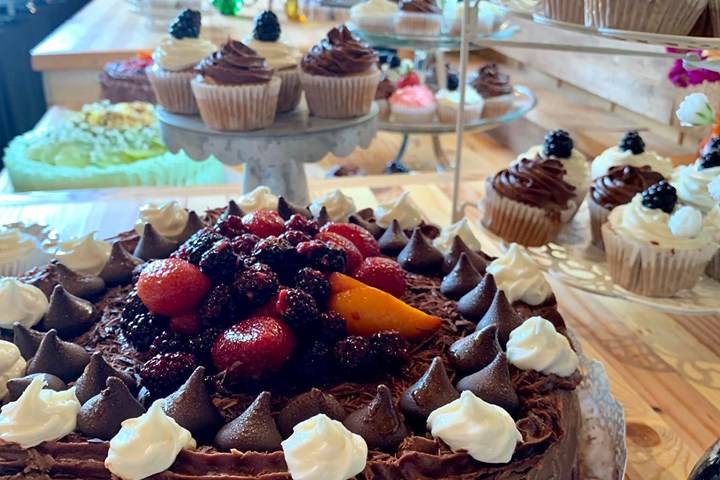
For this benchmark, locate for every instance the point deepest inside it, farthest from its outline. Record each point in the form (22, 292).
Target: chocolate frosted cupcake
(236, 89)
(340, 76)
(418, 17)
(384, 91)
(126, 81)
(524, 203)
(616, 188)
(495, 88)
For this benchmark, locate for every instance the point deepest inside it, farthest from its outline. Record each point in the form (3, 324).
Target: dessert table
(664, 369)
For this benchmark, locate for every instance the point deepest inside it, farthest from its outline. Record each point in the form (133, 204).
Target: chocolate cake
(240, 415)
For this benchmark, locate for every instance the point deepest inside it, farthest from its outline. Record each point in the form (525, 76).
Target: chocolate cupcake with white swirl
(236, 89)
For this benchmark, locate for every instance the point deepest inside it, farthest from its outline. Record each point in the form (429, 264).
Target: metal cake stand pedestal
(273, 156)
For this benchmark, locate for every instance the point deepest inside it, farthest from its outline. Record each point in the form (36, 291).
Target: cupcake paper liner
(383, 109)
(570, 11)
(173, 90)
(650, 270)
(449, 114)
(497, 106)
(714, 10)
(237, 107)
(290, 90)
(27, 261)
(598, 216)
(517, 222)
(411, 23)
(568, 214)
(340, 97)
(713, 267)
(375, 24)
(402, 114)
(672, 17)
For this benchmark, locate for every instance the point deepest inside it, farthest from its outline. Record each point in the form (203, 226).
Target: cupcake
(413, 104)
(19, 252)
(340, 76)
(489, 19)
(175, 59)
(672, 17)
(654, 248)
(384, 91)
(525, 202)
(448, 105)
(569, 11)
(559, 145)
(495, 88)
(630, 151)
(374, 16)
(236, 89)
(692, 181)
(418, 17)
(616, 188)
(127, 81)
(712, 225)
(281, 57)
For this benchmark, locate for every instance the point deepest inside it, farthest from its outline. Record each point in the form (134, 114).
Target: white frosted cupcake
(489, 19)
(19, 252)
(374, 16)
(448, 105)
(630, 151)
(692, 181)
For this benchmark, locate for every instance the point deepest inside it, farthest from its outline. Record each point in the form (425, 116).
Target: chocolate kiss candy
(502, 315)
(419, 255)
(45, 280)
(120, 265)
(474, 304)
(393, 240)
(372, 227)
(429, 230)
(431, 391)
(79, 284)
(65, 360)
(254, 430)
(16, 386)
(493, 384)
(26, 340)
(192, 407)
(366, 213)
(379, 423)
(459, 247)
(308, 405)
(286, 209)
(101, 416)
(68, 314)
(233, 209)
(461, 279)
(475, 351)
(94, 378)
(152, 245)
(193, 225)
(323, 217)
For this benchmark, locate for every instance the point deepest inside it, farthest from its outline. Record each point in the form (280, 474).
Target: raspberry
(264, 223)
(302, 224)
(389, 349)
(662, 195)
(710, 159)
(245, 243)
(219, 263)
(361, 238)
(382, 273)
(353, 355)
(168, 341)
(313, 282)
(332, 327)
(276, 253)
(353, 257)
(632, 141)
(320, 256)
(172, 286)
(295, 237)
(164, 373)
(201, 344)
(230, 226)
(558, 144)
(195, 246)
(142, 329)
(256, 285)
(218, 309)
(297, 309)
(186, 323)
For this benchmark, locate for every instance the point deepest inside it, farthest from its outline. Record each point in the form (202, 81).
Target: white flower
(695, 110)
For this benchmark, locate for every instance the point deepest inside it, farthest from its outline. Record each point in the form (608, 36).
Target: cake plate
(273, 156)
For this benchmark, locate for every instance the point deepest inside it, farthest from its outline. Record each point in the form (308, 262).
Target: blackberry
(202, 343)
(313, 282)
(133, 306)
(230, 226)
(297, 309)
(302, 224)
(662, 195)
(395, 61)
(194, 247)
(256, 285)
(165, 372)
(266, 27)
(353, 355)
(295, 237)
(394, 167)
(219, 263)
(453, 81)
(712, 145)
(141, 330)
(168, 341)
(137, 271)
(319, 256)
(314, 362)
(632, 141)
(332, 327)
(277, 253)
(558, 144)
(389, 349)
(218, 309)
(710, 159)
(245, 243)
(186, 25)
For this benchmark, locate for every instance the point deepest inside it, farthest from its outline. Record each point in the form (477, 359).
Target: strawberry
(172, 286)
(187, 323)
(253, 347)
(264, 223)
(361, 238)
(353, 257)
(382, 273)
(410, 79)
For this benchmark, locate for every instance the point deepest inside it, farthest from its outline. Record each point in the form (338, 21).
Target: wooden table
(665, 369)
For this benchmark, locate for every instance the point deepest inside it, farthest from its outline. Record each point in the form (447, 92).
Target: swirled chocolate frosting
(235, 64)
(538, 183)
(339, 54)
(385, 89)
(621, 184)
(419, 6)
(490, 82)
